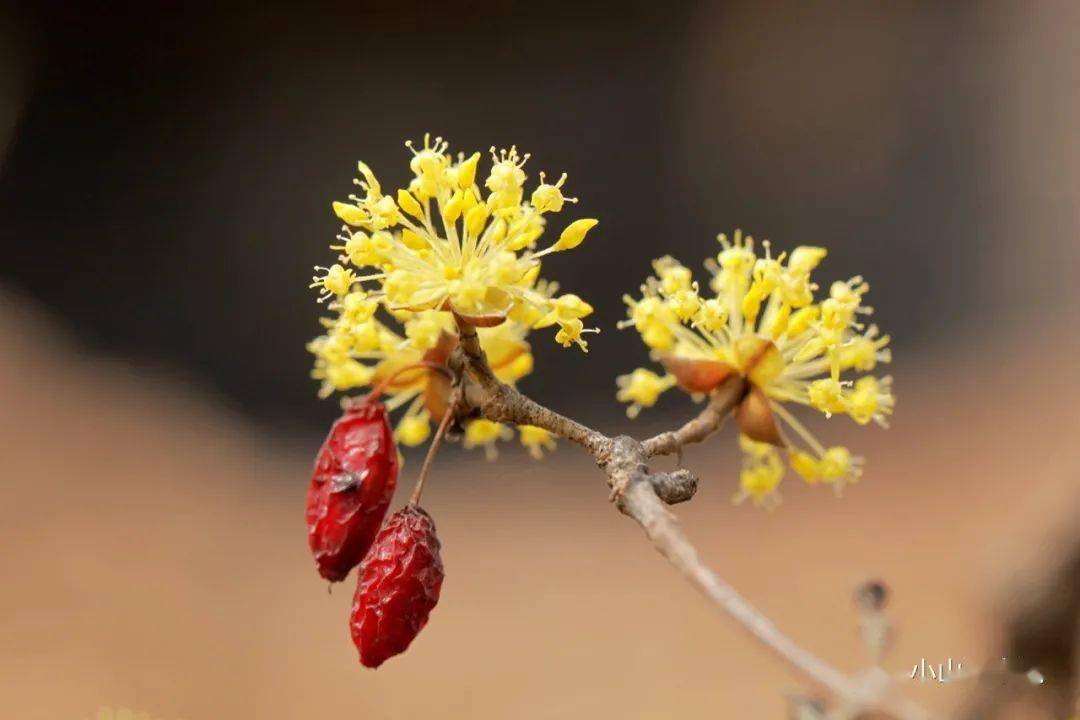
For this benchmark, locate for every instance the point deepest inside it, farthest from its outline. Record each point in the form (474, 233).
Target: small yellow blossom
(570, 332)
(549, 198)
(485, 433)
(413, 430)
(563, 309)
(871, 399)
(827, 395)
(536, 440)
(762, 322)
(641, 388)
(335, 280)
(761, 473)
(837, 465)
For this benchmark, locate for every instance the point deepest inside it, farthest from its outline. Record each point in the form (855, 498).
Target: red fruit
(398, 585)
(351, 488)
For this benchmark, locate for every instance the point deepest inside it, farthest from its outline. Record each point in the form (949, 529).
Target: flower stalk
(433, 449)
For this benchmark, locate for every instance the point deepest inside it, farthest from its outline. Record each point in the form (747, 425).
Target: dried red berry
(351, 488)
(398, 585)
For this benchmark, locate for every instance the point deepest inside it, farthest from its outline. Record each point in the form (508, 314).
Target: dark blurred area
(168, 189)
(167, 183)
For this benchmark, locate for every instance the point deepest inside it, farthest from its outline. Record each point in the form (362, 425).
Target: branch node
(676, 486)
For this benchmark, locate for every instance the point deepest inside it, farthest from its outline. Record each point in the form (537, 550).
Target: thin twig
(624, 461)
(451, 409)
(708, 421)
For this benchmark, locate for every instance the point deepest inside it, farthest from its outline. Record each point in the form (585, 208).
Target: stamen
(798, 427)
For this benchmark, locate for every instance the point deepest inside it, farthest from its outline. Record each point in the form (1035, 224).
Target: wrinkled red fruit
(350, 491)
(398, 585)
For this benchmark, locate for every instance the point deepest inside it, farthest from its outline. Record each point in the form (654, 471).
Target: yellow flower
(838, 466)
(536, 440)
(549, 198)
(413, 430)
(762, 322)
(761, 473)
(827, 395)
(642, 388)
(335, 280)
(443, 245)
(871, 399)
(485, 433)
(570, 332)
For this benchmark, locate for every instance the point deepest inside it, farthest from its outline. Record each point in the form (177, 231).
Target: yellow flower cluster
(443, 244)
(761, 321)
(440, 248)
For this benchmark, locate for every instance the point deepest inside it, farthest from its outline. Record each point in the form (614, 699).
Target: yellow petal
(373, 185)
(350, 214)
(574, 234)
(412, 240)
(806, 465)
(453, 209)
(476, 218)
(467, 171)
(805, 258)
(409, 204)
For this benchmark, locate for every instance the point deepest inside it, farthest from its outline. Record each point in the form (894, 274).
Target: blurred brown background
(165, 180)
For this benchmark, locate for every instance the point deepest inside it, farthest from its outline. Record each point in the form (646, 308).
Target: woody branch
(641, 493)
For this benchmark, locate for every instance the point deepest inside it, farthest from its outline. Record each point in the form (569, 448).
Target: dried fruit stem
(624, 460)
(451, 408)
